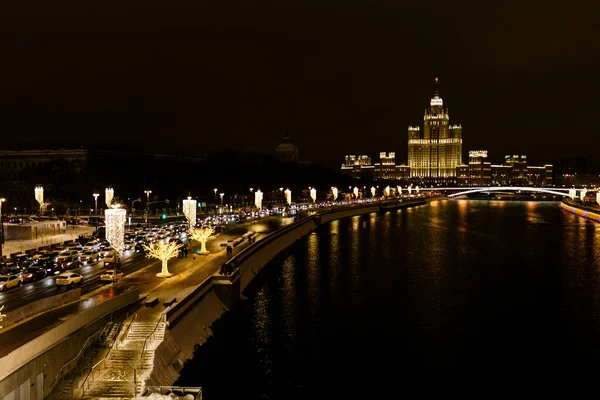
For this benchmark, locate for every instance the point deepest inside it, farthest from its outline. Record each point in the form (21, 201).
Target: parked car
(89, 257)
(9, 281)
(68, 279)
(110, 276)
(33, 274)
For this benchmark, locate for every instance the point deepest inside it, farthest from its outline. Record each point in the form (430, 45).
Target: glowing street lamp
(96, 203)
(258, 197)
(215, 190)
(39, 196)
(109, 195)
(189, 210)
(288, 196)
(221, 196)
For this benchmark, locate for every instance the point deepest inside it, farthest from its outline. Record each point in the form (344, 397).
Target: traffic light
(164, 216)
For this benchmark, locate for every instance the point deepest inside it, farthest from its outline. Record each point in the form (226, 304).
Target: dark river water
(367, 305)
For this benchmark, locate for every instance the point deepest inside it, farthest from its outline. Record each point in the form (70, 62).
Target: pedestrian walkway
(21, 246)
(121, 372)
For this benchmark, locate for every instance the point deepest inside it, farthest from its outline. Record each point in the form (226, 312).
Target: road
(130, 262)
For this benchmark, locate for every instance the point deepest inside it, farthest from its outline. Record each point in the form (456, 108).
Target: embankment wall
(191, 318)
(28, 371)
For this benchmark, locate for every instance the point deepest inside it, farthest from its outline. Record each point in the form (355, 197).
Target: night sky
(343, 76)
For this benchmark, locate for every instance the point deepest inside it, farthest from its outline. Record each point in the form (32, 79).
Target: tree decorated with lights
(202, 235)
(164, 252)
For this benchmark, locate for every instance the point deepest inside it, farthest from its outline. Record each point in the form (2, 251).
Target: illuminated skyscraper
(437, 152)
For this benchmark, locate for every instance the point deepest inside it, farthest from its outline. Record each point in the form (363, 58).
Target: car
(52, 268)
(13, 270)
(110, 276)
(105, 251)
(67, 253)
(111, 258)
(129, 245)
(42, 258)
(33, 274)
(9, 281)
(70, 262)
(68, 279)
(89, 257)
(39, 254)
(92, 245)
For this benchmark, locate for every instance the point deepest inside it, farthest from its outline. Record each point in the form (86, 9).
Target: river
(372, 303)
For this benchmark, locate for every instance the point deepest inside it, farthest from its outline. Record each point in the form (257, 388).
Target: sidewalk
(20, 246)
(188, 273)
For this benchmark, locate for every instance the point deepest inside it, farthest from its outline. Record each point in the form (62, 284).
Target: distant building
(358, 166)
(516, 172)
(438, 151)
(385, 169)
(287, 151)
(478, 172)
(513, 172)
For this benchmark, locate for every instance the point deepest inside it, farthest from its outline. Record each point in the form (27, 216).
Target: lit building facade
(438, 150)
(478, 172)
(516, 172)
(386, 169)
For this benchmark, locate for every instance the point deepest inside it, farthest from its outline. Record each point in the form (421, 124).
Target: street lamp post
(2, 200)
(147, 205)
(96, 203)
(221, 196)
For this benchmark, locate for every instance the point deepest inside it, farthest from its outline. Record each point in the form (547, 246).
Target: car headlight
(1, 285)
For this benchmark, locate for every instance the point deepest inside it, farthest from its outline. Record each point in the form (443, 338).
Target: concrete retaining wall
(254, 258)
(39, 361)
(39, 306)
(581, 212)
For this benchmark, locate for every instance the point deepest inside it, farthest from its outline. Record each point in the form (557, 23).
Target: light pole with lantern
(96, 203)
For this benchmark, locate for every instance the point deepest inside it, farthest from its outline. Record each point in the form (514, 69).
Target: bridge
(461, 191)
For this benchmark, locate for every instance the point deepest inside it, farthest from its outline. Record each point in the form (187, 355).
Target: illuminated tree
(164, 252)
(202, 235)
(2, 316)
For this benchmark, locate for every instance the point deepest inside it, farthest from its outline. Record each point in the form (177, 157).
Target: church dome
(287, 151)
(286, 147)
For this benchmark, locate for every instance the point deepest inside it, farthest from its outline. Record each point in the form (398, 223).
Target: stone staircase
(121, 373)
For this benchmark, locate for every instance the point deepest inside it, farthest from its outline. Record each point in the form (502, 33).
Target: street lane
(130, 263)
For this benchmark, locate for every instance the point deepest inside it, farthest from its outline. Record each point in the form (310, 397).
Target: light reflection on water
(455, 286)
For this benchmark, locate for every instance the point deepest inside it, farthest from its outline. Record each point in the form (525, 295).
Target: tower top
(436, 100)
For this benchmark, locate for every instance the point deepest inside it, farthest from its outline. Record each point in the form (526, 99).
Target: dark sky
(343, 76)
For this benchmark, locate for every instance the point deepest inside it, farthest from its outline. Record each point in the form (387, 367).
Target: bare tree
(202, 235)
(164, 252)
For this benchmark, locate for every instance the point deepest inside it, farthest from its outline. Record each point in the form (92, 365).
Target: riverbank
(191, 319)
(581, 210)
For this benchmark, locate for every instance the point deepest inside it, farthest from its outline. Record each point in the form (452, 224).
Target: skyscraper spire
(437, 91)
